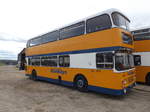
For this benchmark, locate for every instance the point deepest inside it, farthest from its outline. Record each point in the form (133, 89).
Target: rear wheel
(33, 75)
(148, 79)
(81, 83)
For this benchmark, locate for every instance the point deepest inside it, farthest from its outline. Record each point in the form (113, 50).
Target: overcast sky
(21, 20)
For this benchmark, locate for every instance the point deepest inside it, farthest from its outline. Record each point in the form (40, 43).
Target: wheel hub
(80, 83)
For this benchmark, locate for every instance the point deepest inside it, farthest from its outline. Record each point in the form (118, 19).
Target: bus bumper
(127, 89)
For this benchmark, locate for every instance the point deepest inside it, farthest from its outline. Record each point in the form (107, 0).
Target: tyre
(148, 79)
(81, 83)
(33, 75)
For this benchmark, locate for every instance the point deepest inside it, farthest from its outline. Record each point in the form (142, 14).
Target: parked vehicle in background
(142, 54)
(21, 60)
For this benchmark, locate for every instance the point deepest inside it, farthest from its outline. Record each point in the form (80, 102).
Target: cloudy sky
(21, 20)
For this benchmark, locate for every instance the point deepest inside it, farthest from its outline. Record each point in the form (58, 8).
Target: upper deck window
(73, 30)
(120, 20)
(141, 31)
(50, 37)
(98, 23)
(144, 36)
(35, 41)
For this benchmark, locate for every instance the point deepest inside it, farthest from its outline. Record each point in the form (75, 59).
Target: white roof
(141, 28)
(109, 11)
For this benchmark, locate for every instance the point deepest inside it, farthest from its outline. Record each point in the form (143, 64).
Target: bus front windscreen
(120, 20)
(123, 61)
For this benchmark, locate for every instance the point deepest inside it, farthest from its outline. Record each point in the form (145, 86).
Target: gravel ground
(19, 94)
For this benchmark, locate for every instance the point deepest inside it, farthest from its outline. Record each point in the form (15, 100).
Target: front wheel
(81, 83)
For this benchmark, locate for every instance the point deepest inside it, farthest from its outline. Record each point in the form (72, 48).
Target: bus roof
(109, 11)
(141, 28)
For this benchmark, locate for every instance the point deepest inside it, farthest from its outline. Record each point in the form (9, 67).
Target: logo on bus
(59, 71)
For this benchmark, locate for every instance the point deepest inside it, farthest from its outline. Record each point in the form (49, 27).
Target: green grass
(2, 64)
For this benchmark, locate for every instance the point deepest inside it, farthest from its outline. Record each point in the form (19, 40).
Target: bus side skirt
(90, 87)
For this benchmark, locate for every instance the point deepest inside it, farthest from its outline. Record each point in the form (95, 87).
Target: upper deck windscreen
(120, 20)
(98, 23)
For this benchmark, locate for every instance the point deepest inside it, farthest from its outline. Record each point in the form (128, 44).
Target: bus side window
(108, 60)
(44, 61)
(35, 41)
(29, 61)
(49, 61)
(100, 60)
(137, 60)
(35, 61)
(32, 61)
(50, 37)
(98, 23)
(104, 60)
(73, 30)
(64, 61)
(52, 61)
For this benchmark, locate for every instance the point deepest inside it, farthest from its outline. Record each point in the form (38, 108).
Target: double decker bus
(92, 54)
(142, 54)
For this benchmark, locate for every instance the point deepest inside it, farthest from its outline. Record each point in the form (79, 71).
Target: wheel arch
(33, 70)
(79, 75)
(147, 78)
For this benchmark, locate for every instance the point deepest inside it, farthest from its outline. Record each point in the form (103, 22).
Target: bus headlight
(125, 91)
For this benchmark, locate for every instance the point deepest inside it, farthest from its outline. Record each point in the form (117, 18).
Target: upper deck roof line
(141, 28)
(109, 11)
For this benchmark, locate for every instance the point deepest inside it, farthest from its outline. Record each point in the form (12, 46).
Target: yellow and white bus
(92, 54)
(142, 54)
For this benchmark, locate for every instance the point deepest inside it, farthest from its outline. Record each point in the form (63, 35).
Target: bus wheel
(148, 79)
(81, 83)
(34, 75)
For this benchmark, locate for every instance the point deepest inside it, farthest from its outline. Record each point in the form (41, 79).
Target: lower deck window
(29, 61)
(104, 60)
(64, 61)
(52, 61)
(137, 60)
(49, 61)
(35, 61)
